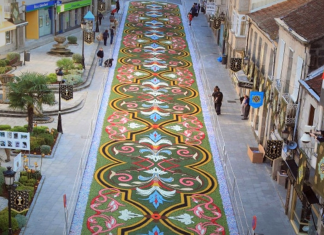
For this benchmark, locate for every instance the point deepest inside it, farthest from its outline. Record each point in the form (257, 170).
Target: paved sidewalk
(259, 193)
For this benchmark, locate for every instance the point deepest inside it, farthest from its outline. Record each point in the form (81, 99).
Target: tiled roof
(265, 18)
(316, 84)
(307, 20)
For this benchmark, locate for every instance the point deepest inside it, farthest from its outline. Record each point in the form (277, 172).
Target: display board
(14, 140)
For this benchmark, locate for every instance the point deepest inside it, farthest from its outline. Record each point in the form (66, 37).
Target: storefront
(39, 16)
(70, 15)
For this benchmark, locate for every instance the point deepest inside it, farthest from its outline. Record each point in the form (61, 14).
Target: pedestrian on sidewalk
(117, 6)
(246, 108)
(214, 95)
(105, 37)
(112, 33)
(100, 55)
(193, 11)
(197, 11)
(198, 8)
(242, 99)
(115, 23)
(190, 18)
(218, 101)
(112, 17)
(100, 17)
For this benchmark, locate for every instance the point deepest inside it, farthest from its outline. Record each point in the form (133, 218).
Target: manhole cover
(231, 101)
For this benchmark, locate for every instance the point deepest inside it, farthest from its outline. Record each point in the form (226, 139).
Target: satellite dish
(292, 145)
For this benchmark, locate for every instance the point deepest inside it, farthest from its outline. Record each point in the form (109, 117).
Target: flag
(256, 99)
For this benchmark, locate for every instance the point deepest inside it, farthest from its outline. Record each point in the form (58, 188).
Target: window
(250, 41)
(8, 37)
(258, 62)
(254, 45)
(311, 115)
(288, 75)
(41, 22)
(270, 68)
(243, 26)
(265, 50)
(233, 21)
(47, 19)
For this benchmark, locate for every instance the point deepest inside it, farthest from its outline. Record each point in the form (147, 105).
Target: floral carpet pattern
(154, 172)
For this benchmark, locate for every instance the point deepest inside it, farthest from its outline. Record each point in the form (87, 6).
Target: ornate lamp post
(59, 76)
(9, 176)
(87, 33)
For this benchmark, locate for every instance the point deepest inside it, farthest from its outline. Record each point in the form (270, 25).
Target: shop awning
(310, 195)
(22, 24)
(292, 170)
(242, 80)
(7, 26)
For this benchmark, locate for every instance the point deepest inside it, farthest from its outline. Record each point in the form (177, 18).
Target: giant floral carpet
(154, 171)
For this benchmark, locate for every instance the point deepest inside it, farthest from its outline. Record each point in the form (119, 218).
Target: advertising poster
(14, 140)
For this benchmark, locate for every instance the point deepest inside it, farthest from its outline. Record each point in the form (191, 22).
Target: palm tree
(30, 90)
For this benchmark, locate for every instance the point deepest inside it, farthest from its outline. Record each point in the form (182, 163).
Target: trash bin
(224, 59)
(27, 56)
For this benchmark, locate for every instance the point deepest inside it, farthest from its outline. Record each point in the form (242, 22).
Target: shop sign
(247, 85)
(210, 8)
(39, 6)
(274, 148)
(73, 5)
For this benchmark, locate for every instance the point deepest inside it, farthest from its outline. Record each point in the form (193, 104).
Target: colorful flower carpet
(153, 172)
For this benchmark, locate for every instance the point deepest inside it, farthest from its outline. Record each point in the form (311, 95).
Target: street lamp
(9, 177)
(83, 24)
(59, 76)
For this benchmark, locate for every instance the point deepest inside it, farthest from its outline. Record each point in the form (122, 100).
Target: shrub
(3, 70)
(51, 78)
(77, 58)
(4, 223)
(65, 63)
(35, 143)
(2, 169)
(79, 67)
(5, 127)
(72, 39)
(46, 149)
(19, 129)
(23, 173)
(3, 63)
(76, 71)
(73, 79)
(39, 130)
(32, 181)
(13, 55)
(8, 68)
(48, 138)
(7, 61)
(21, 220)
(23, 179)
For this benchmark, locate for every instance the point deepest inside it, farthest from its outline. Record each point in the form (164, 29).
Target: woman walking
(112, 33)
(105, 37)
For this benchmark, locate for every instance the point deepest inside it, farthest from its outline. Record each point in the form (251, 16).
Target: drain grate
(231, 101)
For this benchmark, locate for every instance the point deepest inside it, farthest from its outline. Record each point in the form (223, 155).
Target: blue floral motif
(155, 136)
(156, 199)
(155, 231)
(155, 117)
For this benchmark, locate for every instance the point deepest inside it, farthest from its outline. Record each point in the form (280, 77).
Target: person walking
(193, 11)
(105, 37)
(214, 95)
(243, 104)
(246, 108)
(218, 101)
(198, 8)
(117, 6)
(112, 17)
(115, 23)
(100, 55)
(197, 11)
(190, 18)
(112, 33)
(100, 17)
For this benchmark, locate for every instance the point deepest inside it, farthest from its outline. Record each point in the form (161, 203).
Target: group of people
(194, 11)
(218, 99)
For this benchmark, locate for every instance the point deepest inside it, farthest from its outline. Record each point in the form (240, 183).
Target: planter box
(255, 154)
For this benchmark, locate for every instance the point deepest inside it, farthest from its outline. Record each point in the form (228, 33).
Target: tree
(30, 90)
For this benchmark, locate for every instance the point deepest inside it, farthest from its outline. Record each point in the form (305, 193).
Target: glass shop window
(301, 216)
(8, 37)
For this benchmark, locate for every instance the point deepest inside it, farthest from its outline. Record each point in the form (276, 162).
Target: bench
(15, 62)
